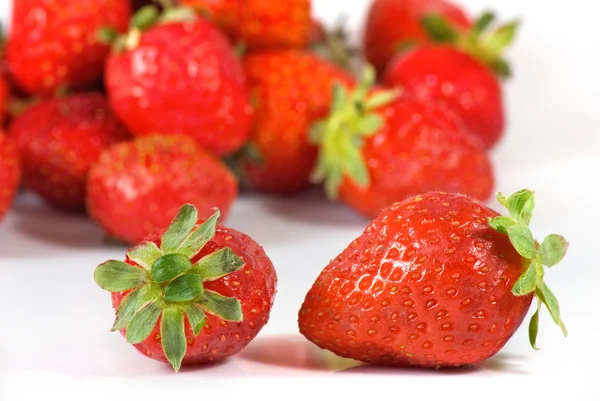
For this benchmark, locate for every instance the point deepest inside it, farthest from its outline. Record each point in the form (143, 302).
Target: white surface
(54, 338)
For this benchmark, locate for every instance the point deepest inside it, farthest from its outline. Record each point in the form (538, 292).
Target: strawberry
(10, 173)
(59, 139)
(196, 293)
(377, 149)
(394, 24)
(261, 24)
(136, 187)
(175, 73)
(5, 84)
(435, 280)
(464, 78)
(53, 43)
(291, 90)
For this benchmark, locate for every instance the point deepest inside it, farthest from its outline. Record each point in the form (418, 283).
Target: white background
(54, 338)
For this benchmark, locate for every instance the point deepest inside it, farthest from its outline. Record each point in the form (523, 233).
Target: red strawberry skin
(391, 23)
(428, 283)
(10, 173)
(422, 147)
(291, 90)
(254, 285)
(59, 139)
(183, 78)
(4, 96)
(54, 43)
(448, 75)
(137, 187)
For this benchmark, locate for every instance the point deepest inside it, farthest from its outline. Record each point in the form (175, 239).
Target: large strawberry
(460, 72)
(10, 173)
(394, 24)
(59, 139)
(291, 90)
(194, 294)
(436, 280)
(175, 73)
(54, 43)
(135, 188)
(5, 89)
(261, 24)
(375, 151)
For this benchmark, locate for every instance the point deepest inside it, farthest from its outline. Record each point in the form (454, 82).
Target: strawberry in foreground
(195, 294)
(137, 187)
(53, 43)
(175, 73)
(10, 173)
(59, 139)
(5, 85)
(436, 280)
(396, 24)
(376, 149)
(292, 90)
(462, 71)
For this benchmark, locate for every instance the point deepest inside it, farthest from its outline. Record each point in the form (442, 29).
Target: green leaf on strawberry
(553, 249)
(165, 285)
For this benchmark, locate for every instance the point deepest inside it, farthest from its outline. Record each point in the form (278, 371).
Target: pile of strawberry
(135, 113)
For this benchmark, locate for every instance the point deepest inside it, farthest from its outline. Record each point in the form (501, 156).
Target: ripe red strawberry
(433, 281)
(135, 188)
(462, 77)
(54, 43)
(4, 95)
(291, 90)
(261, 24)
(10, 173)
(194, 294)
(374, 152)
(177, 74)
(59, 139)
(392, 24)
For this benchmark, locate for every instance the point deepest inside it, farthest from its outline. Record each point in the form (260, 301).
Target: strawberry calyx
(550, 252)
(144, 19)
(340, 136)
(334, 46)
(482, 42)
(165, 285)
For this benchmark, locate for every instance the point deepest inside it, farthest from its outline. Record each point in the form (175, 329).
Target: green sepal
(169, 266)
(501, 224)
(116, 276)
(217, 265)
(553, 249)
(196, 317)
(499, 40)
(145, 18)
(335, 47)
(522, 239)
(229, 309)
(526, 283)
(179, 229)
(172, 333)
(549, 299)
(520, 206)
(130, 305)
(145, 254)
(107, 35)
(184, 288)
(143, 323)
(534, 324)
(503, 200)
(200, 236)
(178, 14)
(439, 29)
(482, 23)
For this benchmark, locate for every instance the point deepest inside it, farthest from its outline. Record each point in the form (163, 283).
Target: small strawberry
(136, 187)
(375, 150)
(291, 90)
(10, 173)
(54, 44)
(462, 75)
(195, 294)
(261, 24)
(59, 139)
(394, 24)
(175, 73)
(436, 280)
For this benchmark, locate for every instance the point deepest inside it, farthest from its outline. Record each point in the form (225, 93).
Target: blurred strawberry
(375, 150)
(137, 187)
(5, 86)
(53, 43)
(392, 24)
(175, 73)
(10, 173)
(59, 139)
(291, 90)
